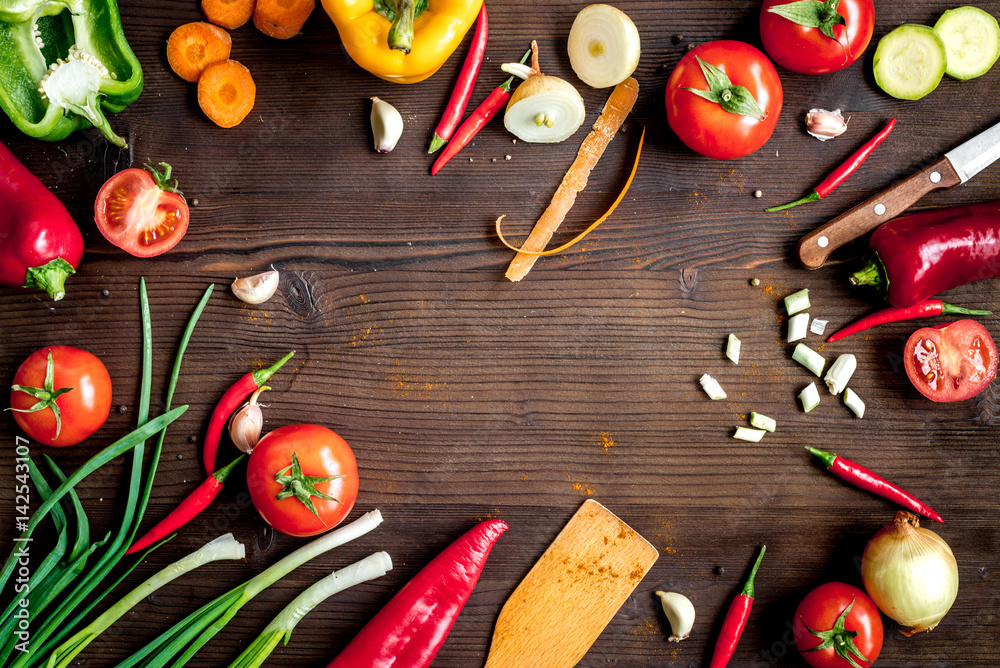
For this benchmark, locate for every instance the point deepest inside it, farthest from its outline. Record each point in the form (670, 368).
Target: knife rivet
(822, 242)
(935, 177)
(879, 209)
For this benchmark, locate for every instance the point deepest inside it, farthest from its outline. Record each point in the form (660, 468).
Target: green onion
(797, 301)
(733, 349)
(712, 388)
(798, 327)
(763, 422)
(752, 435)
(191, 633)
(281, 627)
(841, 371)
(853, 401)
(223, 547)
(809, 358)
(809, 397)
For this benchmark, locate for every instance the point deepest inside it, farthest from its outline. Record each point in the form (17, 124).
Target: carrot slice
(229, 14)
(593, 225)
(282, 18)
(226, 93)
(194, 46)
(615, 110)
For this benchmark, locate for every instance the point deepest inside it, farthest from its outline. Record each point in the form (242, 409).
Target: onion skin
(910, 573)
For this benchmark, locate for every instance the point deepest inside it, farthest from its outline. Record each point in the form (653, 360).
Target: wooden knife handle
(815, 247)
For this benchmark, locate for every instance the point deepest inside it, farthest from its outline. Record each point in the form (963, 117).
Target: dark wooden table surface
(465, 396)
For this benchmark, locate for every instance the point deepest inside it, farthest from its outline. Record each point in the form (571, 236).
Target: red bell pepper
(40, 245)
(411, 628)
(913, 258)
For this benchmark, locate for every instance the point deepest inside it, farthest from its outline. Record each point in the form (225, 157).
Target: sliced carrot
(282, 18)
(615, 110)
(229, 14)
(226, 93)
(194, 46)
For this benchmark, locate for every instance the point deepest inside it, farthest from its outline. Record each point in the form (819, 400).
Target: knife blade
(953, 168)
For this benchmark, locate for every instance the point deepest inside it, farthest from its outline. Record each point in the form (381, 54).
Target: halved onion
(603, 46)
(544, 109)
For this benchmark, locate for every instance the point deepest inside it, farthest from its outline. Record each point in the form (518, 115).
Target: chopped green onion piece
(797, 301)
(752, 435)
(818, 326)
(809, 358)
(798, 326)
(853, 401)
(763, 422)
(733, 349)
(809, 397)
(712, 388)
(841, 371)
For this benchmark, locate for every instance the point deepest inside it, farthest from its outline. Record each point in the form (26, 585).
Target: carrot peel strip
(592, 226)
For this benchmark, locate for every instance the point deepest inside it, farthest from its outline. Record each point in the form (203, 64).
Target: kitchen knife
(954, 167)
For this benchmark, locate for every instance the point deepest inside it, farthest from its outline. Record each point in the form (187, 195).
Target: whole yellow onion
(910, 573)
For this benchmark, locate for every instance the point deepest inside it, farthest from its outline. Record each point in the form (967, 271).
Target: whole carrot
(459, 99)
(493, 103)
(839, 175)
(736, 619)
(229, 402)
(925, 309)
(186, 510)
(861, 477)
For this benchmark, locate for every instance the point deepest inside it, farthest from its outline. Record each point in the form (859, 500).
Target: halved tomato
(141, 211)
(952, 361)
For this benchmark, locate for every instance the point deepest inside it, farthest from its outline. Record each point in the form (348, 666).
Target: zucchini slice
(972, 40)
(910, 61)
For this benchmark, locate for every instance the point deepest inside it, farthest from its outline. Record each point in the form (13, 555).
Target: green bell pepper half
(62, 64)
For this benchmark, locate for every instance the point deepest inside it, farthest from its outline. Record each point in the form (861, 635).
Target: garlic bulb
(823, 124)
(910, 573)
(387, 125)
(256, 289)
(246, 424)
(680, 614)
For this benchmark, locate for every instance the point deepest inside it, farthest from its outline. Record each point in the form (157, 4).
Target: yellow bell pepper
(403, 41)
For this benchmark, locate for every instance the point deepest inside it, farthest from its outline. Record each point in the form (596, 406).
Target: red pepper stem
(951, 309)
(260, 376)
(872, 273)
(828, 457)
(748, 587)
(811, 197)
(50, 277)
(222, 474)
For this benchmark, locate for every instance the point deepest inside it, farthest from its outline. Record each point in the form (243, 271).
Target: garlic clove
(256, 289)
(680, 614)
(247, 423)
(387, 125)
(823, 124)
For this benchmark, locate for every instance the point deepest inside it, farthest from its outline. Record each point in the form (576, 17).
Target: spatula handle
(815, 247)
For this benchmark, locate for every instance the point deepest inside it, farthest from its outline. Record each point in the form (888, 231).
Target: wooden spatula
(571, 593)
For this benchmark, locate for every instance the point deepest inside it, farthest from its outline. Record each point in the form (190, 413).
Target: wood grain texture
(465, 396)
(572, 592)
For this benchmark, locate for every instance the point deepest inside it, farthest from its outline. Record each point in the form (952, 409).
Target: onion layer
(910, 573)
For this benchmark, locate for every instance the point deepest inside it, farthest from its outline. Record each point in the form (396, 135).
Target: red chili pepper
(411, 628)
(186, 510)
(493, 103)
(40, 245)
(925, 309)
(459, 99)
(912, 258)
(839, 175)
(861, 477)
(736, 619)
(229, 402)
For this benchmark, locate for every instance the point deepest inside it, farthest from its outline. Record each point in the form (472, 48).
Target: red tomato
(141, 211)
(704, 125)
(80, 387)
(951, 362)
(327, 469)
(821, 611)
(807, 50)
